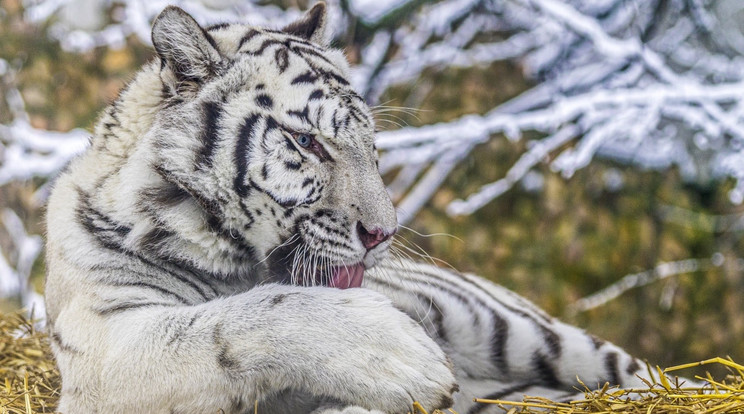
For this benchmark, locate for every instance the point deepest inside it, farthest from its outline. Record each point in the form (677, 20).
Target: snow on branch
(27, 152)
(619, 108)
(620, 79)
(14, 278)
(82, 25)
(636, 280)
(617, 80)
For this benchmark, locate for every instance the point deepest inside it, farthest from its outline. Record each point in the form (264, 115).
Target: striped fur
(190, 251)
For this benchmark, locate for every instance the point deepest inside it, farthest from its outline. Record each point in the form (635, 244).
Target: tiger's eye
(304, 140)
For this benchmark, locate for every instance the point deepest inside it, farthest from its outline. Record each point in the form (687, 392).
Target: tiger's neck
(163, 221)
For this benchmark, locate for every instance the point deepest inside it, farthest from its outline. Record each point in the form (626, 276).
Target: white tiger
(206, 253)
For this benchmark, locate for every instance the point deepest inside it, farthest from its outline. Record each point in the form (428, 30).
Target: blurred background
(587, 155)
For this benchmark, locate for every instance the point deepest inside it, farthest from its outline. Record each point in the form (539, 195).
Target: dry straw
(30, 384)
(29, 380)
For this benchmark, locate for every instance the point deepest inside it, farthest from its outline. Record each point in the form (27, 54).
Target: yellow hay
(29, 383)
(661, 397)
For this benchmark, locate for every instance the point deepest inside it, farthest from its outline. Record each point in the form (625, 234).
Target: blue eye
(304, 140)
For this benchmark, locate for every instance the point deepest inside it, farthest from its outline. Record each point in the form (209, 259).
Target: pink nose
(371, 238)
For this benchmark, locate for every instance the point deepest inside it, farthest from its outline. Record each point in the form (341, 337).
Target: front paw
(380, 359)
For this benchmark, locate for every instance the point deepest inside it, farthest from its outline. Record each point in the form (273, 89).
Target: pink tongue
(345, 277)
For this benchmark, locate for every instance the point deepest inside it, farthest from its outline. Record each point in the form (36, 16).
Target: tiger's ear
(312, 26)
(186, 50)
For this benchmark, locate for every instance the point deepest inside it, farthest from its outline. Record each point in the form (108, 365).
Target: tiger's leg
(501, 344)
(347, 346)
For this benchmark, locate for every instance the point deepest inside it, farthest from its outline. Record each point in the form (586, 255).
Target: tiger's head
(262, 140)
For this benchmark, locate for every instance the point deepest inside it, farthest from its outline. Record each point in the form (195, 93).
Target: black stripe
(150, 286)
(241, 154)
(211, 41)
(181, 277)
(291, 146)
(246, 37)
(327, 75)
(342, 234)
(109, 233)
(330, 243)
(302, 115)
(264, 101)
(271, 123)
(281, 56)
(208, 205)
(307, 77)
(335, 123)
(358, 115)
(224, 360)
(545, 371)
(211, 113)
(266, 44)
(552, 339)
(597, 342)
(182, 329)
(127, 306)
(317, 94)
(284, 203)
(155, 239)
(103, 222)
(292, 165)
(305, 51)
(611, 367)
(164, 196)
(498, 341)
(57, 339)
(632, 367)
(218, 26)
(211, 208)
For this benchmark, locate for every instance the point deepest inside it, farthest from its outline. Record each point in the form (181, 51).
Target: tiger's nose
(371, 238)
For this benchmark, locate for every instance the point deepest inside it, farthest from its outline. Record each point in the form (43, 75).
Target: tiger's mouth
(340, 277)
(286, 267)
(344, 277)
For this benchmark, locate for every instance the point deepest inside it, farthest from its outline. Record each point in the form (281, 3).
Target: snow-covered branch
(14, 275)
(82, 25)
(616, 79)
(27, 152)
(633, 86)
(636, 280)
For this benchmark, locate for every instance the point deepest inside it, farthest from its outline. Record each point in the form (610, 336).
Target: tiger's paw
(398, 362)
(374, 356)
